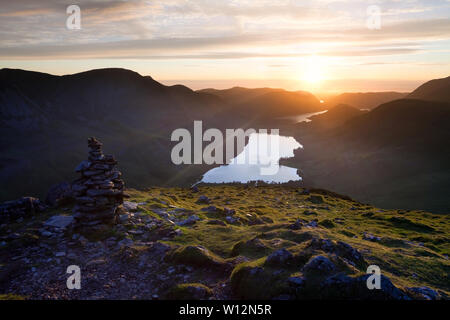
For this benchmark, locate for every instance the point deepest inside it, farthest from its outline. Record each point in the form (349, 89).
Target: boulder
(340, 249)
(279, 258)
(196, 256)
(343, 287)
(130, 206)
(319, 265)
(189, 291)
(189, 221)
(59, 194)
(60, 222)
(20, 208)
(370, 237)
(203, 200)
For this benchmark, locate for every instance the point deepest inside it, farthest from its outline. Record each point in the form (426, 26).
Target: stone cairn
(99, 192)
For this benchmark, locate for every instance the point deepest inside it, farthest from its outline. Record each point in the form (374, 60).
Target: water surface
(249, 164)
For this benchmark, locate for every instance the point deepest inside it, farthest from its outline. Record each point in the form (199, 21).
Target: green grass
(413, 242)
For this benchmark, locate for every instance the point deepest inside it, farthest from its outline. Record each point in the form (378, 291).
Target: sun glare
(313, 70)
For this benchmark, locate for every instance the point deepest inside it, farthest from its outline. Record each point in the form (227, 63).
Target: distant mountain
(238, 95)
(267, 102)
(434, 90)
(396, 155)
(366, 100)
(335, 117)
(45, 121)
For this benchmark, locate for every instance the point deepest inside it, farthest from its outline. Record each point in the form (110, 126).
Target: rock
(189, 221)
(21, 208)
(320, 265)
(315, 199)
(210, 209)
(371, 237)
(160, 248)
(341, 287)
(196, 256)
(136, 232)
(130, 206)
(312, 224)
(203, 200)
(340, 249)
(189, 291)
(123, 218)
(59, 194)
(61, 222)
(194, 189)
(45, 233)
(96, 262)
(278, 258)
(424, 293)
(296, 281)
(125, 243)
(84, 165)
(231, 220)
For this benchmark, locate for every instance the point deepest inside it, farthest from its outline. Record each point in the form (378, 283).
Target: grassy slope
(411, 251)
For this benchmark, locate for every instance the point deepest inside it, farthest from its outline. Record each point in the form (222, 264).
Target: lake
(251, 163)
(304, 117)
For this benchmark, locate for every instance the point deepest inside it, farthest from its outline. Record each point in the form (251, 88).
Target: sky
(320, 46)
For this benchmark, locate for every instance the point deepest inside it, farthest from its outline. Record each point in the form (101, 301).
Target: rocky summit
(280, 244)
(99, 192)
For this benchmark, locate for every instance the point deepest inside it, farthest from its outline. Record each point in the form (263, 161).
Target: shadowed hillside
(434, 90)
(366, 100)
(394, 156)
(45, 120)
(269, 103)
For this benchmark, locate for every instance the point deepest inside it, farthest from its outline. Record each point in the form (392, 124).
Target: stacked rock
(99, 191)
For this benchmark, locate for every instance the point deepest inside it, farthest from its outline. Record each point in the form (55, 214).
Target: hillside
(434, 90)
(269, 103)
(395, 156)
(50, 116)
(335, 117)
(241, 242)
(364, 100)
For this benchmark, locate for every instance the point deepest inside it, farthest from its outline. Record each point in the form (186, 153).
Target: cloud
(204, 29)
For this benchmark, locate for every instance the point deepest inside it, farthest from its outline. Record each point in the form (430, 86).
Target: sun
(313, 70)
